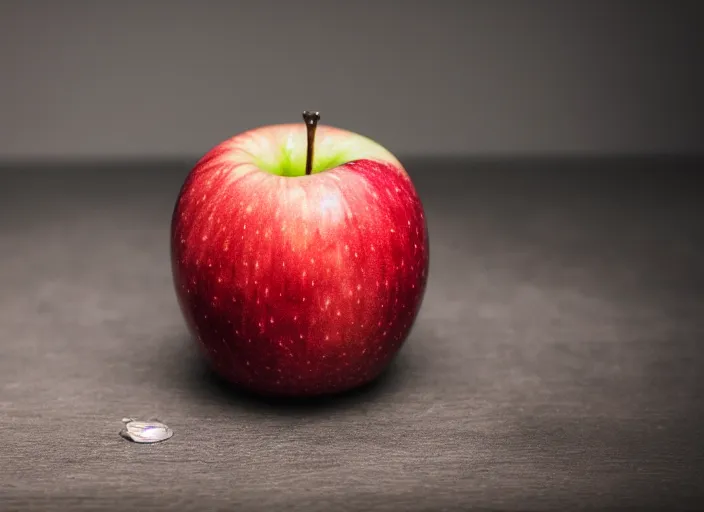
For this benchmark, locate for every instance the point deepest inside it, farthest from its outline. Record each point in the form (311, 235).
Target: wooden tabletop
(555, 363)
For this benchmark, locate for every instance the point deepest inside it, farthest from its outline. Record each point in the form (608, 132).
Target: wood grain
(555, 363)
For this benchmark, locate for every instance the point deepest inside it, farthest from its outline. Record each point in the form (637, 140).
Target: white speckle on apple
(256, 265)
(266, 292)
(244, 226)
(204, 238)
(249, 208)
(271, 320)
(312, 260)
(304, 274)
(327, 303)
(347, 247)
(338, 313)
(356, 255)
(392, 230)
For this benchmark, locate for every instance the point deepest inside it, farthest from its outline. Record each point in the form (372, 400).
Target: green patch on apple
(333, 147)
(292, 163)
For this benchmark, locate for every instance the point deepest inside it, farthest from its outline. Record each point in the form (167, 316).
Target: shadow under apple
(190, 369)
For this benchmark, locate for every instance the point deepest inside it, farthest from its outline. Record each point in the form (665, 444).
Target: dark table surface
(555, 362)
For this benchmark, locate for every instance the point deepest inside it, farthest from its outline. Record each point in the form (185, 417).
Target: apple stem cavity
(311, 119)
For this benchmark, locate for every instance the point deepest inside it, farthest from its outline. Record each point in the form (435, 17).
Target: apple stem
(311, 119)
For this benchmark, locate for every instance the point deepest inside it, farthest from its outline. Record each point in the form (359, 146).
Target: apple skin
(299, 286)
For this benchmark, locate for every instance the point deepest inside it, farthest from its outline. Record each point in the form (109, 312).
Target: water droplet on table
(152, 431)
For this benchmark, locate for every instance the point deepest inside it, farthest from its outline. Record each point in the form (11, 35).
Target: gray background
(166, 79)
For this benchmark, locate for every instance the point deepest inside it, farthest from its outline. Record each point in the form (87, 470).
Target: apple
(300, 258)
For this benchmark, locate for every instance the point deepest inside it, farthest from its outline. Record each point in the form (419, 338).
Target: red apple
(299, 260)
